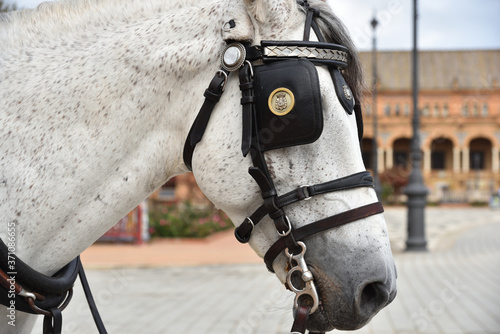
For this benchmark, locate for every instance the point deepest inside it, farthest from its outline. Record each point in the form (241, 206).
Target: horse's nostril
(373, 297)
(369, 293)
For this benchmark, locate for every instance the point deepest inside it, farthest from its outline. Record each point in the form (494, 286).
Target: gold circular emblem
(281, 101)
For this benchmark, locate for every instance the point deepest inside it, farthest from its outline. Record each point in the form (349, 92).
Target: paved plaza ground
(220, 286)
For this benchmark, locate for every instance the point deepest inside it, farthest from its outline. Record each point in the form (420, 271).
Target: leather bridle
(250, 59)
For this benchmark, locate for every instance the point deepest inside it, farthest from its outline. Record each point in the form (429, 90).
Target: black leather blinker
(288, 104)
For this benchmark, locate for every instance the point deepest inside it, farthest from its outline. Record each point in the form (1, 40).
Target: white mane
(51, 19)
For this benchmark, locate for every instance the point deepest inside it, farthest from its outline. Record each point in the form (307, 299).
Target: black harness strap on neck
(61, 282)
(37, 293)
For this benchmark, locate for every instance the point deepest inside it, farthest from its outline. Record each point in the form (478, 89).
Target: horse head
(97, 98)
(352, 264)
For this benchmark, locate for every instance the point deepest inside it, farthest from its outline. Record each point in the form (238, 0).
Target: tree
(6, 7)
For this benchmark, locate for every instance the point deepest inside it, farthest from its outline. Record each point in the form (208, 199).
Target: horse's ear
(263, 10)
(257, 9)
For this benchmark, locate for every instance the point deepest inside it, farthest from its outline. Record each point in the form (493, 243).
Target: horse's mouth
(319, 321)
(338, 310)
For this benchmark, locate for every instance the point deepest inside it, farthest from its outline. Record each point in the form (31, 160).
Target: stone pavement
(453, 288)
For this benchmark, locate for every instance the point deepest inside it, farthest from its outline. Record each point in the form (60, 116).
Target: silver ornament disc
(233, 57)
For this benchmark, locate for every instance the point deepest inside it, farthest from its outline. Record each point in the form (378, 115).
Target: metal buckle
(38, 310)
(251, 67)
(251, 223)
(284, 234)
(306, 192)
(220, 72)
(245, 238)
(306, 276)
(27, 294)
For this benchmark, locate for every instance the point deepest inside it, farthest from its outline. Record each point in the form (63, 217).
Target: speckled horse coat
(96, 100)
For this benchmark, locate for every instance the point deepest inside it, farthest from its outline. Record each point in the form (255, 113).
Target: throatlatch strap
(212, 96)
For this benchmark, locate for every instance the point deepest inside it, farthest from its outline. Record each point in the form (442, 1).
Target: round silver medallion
(233, 57)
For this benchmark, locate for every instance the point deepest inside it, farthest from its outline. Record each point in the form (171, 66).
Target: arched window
(436, 110)
(476, 110)
(387, 109)
(465, 110)
(446, 111)
(485, 110)
(407, 109)
(425, 112)
(398, 109)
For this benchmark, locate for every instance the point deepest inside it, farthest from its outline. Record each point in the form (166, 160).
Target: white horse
(96, 100)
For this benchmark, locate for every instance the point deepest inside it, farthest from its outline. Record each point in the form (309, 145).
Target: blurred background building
(460, 123)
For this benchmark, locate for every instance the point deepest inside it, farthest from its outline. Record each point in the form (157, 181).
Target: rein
(39, 294)
(279, 77)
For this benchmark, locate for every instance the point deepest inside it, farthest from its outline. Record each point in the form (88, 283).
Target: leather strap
(261, 175)
(359, 121)
(212, 96)
(61, 282)
(301, 317)
(52, 324)
(363, 179)
(309, 21)
(51, 294)
(247, 101)
(90, 300)
(320, 226)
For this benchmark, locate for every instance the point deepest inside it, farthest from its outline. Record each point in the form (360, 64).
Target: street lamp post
(376, 180)
(416, 190)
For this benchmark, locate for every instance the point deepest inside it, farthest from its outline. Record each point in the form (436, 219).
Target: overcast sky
(443, 24)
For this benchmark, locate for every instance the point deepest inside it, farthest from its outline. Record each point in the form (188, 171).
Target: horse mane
(334, 31)
(69, 10)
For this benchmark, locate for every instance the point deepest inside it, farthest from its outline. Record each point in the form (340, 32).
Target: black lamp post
(376, 180)
(416, 190)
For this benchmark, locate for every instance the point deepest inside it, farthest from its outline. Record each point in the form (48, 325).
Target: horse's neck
(95, 121)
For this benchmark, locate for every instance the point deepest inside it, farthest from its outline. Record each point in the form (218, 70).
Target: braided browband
(327, 53)
(317, 52)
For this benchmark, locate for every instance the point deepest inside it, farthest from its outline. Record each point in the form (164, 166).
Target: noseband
(280, 90)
